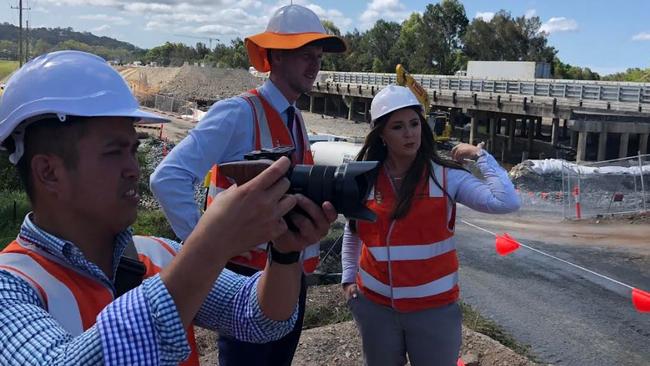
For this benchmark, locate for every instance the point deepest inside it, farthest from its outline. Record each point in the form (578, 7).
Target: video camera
(345, 186)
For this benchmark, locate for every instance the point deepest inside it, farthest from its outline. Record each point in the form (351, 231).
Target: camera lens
(345, 186)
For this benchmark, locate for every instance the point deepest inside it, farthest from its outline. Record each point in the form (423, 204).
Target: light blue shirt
(225, 134)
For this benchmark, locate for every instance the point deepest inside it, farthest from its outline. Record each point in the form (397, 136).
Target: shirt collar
(274, 96)
(68, 251)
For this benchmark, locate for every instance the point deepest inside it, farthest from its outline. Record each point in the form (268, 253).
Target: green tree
(505, 38)
(379, 42)
(443, 27)
(561, 70)
(633, 74)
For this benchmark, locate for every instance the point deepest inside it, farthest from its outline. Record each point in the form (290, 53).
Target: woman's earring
(383, 143)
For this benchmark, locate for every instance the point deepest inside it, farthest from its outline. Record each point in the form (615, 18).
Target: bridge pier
(512, 125)
(602, 143)
(643, 143)
(493, 135)
(366, 113)
(623, 145)
(472, 128)
(351, 109)
(325, 105)
(555, 130)
(582, 146)
(531, 134)
(311, 103)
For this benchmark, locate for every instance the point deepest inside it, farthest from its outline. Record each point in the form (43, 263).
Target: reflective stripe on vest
(270, 131)
(75, 299)
(413, 252)
(410, 263)
(57, 298)
(436, 287)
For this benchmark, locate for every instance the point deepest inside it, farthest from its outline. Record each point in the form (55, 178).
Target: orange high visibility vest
(270, 131)
(75, 299)
(409, 264)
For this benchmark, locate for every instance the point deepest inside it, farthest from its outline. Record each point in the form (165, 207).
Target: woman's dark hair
(374, 149)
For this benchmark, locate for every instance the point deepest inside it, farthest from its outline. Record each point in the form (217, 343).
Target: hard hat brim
(258, 44)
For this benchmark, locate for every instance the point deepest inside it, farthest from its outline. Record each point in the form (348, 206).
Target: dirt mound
(149, 80)
(209, 84)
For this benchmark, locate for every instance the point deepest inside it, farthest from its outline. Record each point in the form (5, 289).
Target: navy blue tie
(291, 116)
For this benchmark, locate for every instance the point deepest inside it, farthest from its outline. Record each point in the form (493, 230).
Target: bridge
(600, 120)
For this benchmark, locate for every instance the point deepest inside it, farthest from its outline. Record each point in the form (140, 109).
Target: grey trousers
(430, 337)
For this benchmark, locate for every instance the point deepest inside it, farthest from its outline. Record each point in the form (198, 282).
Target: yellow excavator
(438, 120)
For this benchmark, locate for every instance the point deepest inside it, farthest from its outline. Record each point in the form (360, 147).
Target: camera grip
(245, 170)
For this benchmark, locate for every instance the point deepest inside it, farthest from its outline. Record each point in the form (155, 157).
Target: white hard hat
(61, 84)
(391, 98)
(290, 27)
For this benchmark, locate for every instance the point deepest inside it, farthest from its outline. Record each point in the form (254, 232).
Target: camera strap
(130, 271)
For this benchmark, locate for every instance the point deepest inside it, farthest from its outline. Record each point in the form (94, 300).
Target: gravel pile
(209, 84)
(151, 154)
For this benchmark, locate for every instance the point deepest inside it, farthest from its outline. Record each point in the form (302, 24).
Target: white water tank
(334, 152)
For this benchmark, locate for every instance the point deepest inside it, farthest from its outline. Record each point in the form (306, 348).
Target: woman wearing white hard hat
(291, 48)
(400, 273)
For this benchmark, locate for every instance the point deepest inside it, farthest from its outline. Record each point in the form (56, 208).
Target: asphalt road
(565, 315)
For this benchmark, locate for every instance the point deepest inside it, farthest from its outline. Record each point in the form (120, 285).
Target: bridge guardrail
(637, 93)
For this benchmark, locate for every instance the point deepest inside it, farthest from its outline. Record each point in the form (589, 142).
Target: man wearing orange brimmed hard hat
(291, 48)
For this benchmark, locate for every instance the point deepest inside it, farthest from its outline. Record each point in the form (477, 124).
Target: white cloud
(225, 19)
(485, 15)
(101, 28)
(530, 13)
(643, 36)
(559, 24)
(333, 15)
(389, 10)
(105, 18)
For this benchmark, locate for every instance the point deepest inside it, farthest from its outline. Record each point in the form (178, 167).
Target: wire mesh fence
(168, 104)
(619, 186)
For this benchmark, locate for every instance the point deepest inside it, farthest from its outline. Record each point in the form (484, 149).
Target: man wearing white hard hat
(76, 286)
(290, 48)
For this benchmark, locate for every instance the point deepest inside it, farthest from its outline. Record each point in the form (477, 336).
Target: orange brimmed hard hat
(291, 27)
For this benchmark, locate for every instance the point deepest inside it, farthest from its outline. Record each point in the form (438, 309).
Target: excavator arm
(405, 79)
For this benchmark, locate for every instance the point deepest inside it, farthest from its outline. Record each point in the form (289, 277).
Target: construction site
(569, 209)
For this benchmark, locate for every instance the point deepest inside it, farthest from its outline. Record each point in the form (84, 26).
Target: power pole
(20, 33)
(26, 40)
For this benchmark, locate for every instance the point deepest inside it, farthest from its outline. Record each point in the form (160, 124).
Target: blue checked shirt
(142, 327)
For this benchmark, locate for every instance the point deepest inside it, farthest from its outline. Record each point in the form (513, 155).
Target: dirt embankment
(339, 344)
(192, 83)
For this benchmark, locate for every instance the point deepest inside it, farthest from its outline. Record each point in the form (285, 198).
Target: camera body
(345, 186)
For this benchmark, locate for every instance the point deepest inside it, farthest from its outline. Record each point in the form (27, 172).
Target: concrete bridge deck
(601, 120)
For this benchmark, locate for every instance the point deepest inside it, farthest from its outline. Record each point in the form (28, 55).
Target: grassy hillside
(6, 68)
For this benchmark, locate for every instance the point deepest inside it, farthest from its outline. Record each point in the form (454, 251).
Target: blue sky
(607, 36)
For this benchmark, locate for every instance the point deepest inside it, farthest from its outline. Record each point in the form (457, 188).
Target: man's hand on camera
(244, 216)
(312, 223)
